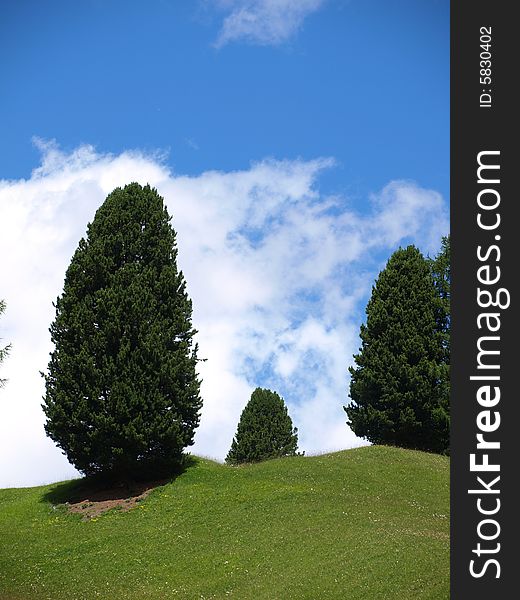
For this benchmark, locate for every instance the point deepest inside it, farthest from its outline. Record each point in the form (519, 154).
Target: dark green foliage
(265, 430)
(3, 351)
(122, 391)
(441, 274)
(398, 387)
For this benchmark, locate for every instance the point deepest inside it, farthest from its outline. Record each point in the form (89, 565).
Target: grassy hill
(365, 524)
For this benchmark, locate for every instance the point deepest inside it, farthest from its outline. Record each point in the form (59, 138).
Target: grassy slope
(364, 524)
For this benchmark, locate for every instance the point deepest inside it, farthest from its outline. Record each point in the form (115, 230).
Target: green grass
(365, 524)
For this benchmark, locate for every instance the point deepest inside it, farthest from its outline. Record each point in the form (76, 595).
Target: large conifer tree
(122, 394)
(441, 274)
(398, 386)
(265, 430)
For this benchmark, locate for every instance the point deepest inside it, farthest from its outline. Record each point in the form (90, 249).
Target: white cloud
(278, 273)
(263, 22)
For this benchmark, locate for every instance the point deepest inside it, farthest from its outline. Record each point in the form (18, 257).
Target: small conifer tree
(265, 430)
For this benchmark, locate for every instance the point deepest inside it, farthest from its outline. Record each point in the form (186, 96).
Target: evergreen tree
(3, 351)
(265, 430)
(441, 274)
(398, 387)
(122, 394)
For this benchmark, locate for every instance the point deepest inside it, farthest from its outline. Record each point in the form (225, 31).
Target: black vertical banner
(485, 169)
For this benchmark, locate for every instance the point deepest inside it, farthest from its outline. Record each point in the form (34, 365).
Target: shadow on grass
(103, 489)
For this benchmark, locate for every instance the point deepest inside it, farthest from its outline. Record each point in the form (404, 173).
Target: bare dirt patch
(90, 503)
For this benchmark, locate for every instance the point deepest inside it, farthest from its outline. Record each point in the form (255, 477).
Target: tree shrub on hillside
(122, 394)
(265, 430)
(441, 273)
(398, 386)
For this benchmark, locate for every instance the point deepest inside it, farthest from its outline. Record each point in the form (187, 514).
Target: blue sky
(297, 144)
(365, 81)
